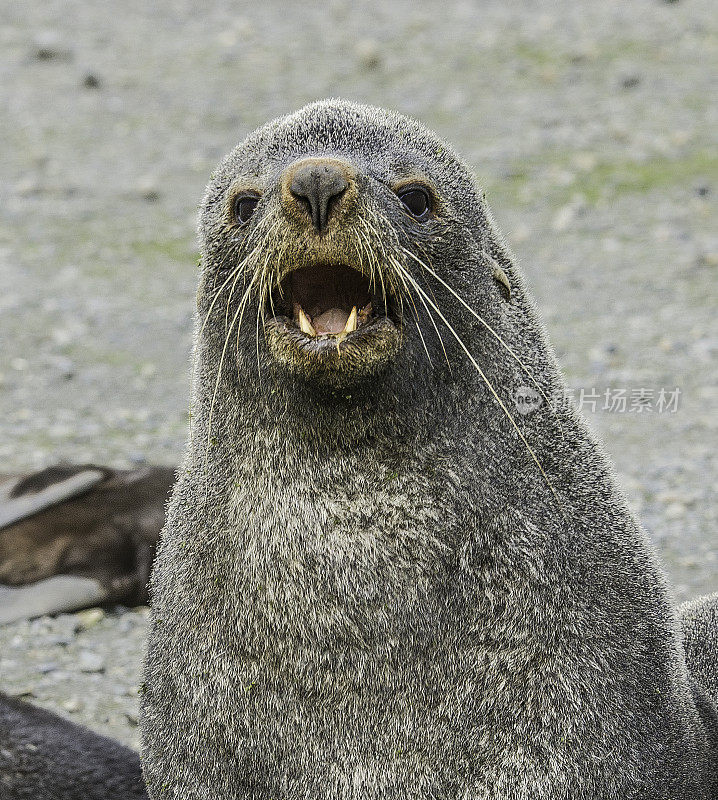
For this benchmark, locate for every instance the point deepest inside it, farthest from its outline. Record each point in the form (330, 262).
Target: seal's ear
(503, 281)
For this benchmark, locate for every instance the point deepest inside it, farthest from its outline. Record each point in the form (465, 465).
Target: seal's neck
(400, 404)
(389, 410)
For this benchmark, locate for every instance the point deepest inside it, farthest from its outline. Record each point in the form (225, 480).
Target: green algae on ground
(603, 181)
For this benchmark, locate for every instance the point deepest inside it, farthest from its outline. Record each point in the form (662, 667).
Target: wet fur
(369, 590)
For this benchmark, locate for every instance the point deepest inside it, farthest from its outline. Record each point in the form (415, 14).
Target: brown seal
(78, 535)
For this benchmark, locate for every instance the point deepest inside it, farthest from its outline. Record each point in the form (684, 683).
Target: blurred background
(592, 127)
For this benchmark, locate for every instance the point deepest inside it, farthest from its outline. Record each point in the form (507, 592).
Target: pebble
(630, 81)
(28, 186)
(72, 705)
(49, 46)
(88, 618)
(148, 188)
(675, 511)
(368, 54)
(91, 81)
(91, 662)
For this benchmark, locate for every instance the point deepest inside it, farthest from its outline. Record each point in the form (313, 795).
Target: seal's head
(327, 226)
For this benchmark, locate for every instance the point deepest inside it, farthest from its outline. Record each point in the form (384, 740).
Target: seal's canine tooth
(351, 321)
(305, 325)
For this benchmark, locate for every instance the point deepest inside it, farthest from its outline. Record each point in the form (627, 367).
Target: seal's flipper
(699, 620)
(28, 495)
(46, 757)
(50, 596)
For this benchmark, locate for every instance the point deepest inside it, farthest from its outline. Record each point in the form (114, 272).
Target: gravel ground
(591, 125)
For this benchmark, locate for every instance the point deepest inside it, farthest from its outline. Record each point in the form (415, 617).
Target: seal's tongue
(333, 320)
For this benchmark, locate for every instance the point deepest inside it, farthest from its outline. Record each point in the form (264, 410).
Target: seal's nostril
(318, 184)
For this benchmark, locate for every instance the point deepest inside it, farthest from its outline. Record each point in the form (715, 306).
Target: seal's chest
(353, 539)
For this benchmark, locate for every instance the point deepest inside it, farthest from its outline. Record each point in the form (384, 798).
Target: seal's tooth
(351, 321)
(304, 323)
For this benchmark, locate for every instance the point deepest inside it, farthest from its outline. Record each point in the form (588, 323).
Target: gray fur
(699, 619)
(46, 757)
(371, 592)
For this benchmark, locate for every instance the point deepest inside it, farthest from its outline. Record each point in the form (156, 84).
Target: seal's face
(333, 313)
(316, 225)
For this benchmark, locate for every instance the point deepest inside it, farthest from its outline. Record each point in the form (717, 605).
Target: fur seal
(375, 580)
(699, 622)
(46, 757)
(78, 535)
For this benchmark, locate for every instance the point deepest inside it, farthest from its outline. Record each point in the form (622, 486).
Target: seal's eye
(416, 201)
(244, 207)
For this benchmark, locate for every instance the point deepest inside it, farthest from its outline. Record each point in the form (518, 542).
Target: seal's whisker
(246, 296)
(278, 272)
(235, 245)
(399, 287)
(416, 312)
(264, 290)
(243, 303)
(372, 258)
(235, 271)
(374, 265)
(493, 391)
(421, 336)
(231, 293)
(365, 248)
(260, 269)
(216, 389)
(271, 221)
(256, 333)
(407, 291)
(276, 282)
(239, 315)
(372, 232)
(232, 276)
(428, 286)
(401, 271)
(375, 229)
(260, 246)
(482, 321)
(217, 293)
(377, 258)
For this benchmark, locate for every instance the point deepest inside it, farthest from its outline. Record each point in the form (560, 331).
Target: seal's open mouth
(329, 323)
(328, 300)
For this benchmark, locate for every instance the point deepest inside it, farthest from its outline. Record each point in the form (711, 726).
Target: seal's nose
(317, 184)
